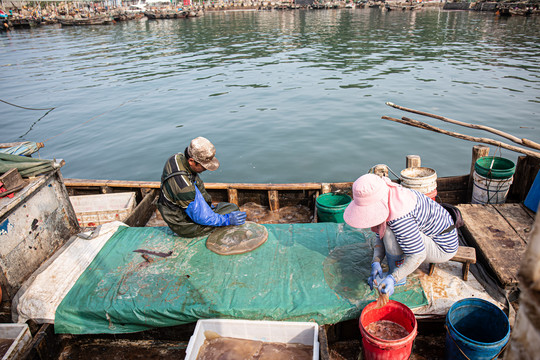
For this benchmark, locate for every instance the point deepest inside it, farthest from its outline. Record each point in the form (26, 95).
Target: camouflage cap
(203, 152)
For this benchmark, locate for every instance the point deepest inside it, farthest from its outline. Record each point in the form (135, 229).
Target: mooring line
(24, 107)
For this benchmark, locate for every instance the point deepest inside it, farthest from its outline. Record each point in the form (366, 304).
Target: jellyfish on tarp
(230, 240)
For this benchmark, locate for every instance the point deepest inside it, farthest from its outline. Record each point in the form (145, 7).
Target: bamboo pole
(524, 142)
(421, 125)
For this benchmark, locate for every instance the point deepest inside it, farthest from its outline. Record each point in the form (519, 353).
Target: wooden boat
(400, 6)
(520, 12)
(339, 341)
(23, 22)
(166, 14)
(94, 20)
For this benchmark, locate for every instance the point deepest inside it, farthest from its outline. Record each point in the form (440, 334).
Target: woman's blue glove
(237, 217)
(387, 285)
(375, 270)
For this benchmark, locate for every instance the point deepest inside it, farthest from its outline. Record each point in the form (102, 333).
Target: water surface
(286, 96)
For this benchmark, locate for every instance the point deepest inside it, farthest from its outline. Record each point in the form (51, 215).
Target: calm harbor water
(293, 96)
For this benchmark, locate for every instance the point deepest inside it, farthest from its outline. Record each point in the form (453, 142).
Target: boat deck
(499, 233)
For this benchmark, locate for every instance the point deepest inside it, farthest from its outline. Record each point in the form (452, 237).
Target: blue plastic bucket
(476, 328)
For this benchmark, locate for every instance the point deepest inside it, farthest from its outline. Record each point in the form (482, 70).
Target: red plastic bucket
(380, 349)
(432, 194)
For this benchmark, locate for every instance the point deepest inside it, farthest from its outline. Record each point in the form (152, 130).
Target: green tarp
(303, 272)
(26, 166)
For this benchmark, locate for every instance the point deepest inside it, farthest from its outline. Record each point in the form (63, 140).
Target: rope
(26, 108)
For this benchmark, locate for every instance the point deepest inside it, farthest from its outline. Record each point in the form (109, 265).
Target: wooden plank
(452, 197)
(517, 218)
(451, 183)
(111, 183)
(144, 210)
(232, 195)
(465, 254)
(245, 186)
(526, 169)
(213, 186)
(273, 199)
(495, 240)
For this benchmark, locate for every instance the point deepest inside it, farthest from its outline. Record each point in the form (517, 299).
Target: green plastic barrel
(330, 207)
(494, 167)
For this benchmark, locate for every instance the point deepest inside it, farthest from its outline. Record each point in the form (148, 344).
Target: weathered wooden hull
(274, 196)
(86, 21)
(338, 341)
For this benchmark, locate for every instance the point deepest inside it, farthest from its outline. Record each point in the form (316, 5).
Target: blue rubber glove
(237, 217)
(375, 270)
(387, 285)
(200, 212)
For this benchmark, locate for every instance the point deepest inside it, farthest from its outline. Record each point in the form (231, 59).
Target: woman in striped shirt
(410, 228)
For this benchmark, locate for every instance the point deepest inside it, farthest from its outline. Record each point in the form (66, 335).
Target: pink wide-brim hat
(369, 207)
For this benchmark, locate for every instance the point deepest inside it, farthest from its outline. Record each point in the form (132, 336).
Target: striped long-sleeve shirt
(429, 218)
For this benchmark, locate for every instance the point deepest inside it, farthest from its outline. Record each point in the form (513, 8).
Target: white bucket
(422, 179)
(490, 191)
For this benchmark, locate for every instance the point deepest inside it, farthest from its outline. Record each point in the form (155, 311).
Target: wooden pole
(524, 142)
(413, 161)
(478, 151)
(273, 200)
(421, 125)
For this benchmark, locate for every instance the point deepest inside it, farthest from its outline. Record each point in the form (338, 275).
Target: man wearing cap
(184, 203)
(410, 228)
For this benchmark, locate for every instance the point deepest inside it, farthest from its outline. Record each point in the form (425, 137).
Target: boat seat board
(301, 273)
(465, 255)
(499, 234)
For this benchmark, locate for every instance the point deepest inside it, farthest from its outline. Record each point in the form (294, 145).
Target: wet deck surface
(429, 344)
(499, 233)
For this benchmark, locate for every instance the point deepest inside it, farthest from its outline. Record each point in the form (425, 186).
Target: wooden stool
(465, 255)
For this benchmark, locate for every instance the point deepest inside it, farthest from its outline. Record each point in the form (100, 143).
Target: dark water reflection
(285, 96)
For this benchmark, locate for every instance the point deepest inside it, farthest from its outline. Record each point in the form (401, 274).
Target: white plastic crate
(94, 210)
(306, 333)
(20, 334)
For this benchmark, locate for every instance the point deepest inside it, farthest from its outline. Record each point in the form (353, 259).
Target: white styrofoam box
(21, 339)
(306, 333)
(94, 210)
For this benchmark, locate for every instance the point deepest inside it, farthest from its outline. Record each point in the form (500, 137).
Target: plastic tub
(21, 339)
(94, 210)
(306, 333)
(331, 206)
